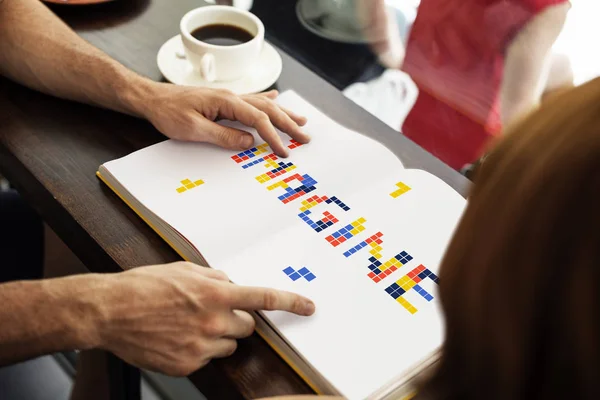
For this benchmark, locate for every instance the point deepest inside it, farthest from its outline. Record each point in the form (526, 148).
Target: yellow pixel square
(199, 182)
(354, 231)
(186, 182)
(404, 303)
(402, 188)
(190, 186)
(181, 189)
(361, 228)
(362, 221)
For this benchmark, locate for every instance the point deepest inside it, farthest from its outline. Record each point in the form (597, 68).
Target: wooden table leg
(124, 379)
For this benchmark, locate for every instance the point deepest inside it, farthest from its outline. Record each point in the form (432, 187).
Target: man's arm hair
(40, 51)
(47, 316)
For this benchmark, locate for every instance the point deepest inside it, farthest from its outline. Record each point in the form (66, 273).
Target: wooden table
(50, 150)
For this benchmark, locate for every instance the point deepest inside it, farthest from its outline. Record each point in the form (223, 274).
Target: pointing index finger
(264, 299)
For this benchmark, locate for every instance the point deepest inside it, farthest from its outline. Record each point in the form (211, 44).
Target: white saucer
(176, 69)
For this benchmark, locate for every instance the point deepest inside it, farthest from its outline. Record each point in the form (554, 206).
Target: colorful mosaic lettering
(307, 185)
(282, 168)
(411, 281)
(402, 188)
(302, 273)
(251, 153)
(269, 161)
(374, 241)
(188, 184)
(380, 270)
(328, 218)
(347, 232)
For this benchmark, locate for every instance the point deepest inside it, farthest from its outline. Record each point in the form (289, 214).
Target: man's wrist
(135, 93)
(78, 302)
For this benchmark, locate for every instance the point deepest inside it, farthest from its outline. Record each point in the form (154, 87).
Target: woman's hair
(520, 282)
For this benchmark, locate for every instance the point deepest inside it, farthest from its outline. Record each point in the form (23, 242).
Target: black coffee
(222, 34)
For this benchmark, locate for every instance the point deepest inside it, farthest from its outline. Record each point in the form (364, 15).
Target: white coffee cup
(222, 63)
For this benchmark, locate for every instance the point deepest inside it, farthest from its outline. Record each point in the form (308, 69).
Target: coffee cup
(215, 62)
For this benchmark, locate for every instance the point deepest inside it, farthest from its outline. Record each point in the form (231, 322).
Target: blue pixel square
(389, 290)
(353, 250)
(395, 286)
(400, 291)
(295, 276)
(336, 235)
(348, 235)
(428, 297)
(395, 295)
(310, 276)
(349, 227)
(409, 257)
(304, 271)
(289, 271)
(347, 254)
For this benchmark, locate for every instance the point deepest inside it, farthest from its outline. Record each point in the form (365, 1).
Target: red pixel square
(371, 275)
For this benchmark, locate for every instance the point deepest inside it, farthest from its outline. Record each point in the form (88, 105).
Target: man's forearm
(42, 317)
(38, 50)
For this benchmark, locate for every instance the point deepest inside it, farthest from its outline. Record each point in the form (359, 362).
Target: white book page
(361, 337)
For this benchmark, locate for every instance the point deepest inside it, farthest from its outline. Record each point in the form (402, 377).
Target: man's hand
(186, 113)
(175, 318)
(66, 66)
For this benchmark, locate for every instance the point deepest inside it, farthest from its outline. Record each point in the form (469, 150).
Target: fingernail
(309, 308)
(246, 141)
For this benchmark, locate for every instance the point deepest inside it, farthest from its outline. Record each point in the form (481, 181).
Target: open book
(340, 221)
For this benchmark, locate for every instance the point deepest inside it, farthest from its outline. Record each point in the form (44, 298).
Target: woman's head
(520, 283)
